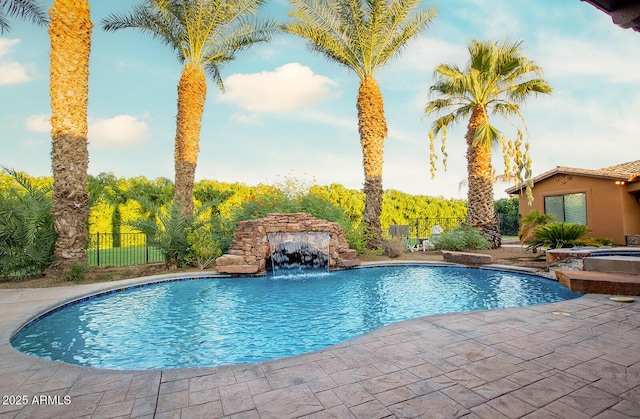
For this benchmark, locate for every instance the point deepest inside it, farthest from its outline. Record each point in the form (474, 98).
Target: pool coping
(94, 390)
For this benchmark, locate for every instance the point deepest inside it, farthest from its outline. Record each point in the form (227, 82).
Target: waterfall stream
(299, 250)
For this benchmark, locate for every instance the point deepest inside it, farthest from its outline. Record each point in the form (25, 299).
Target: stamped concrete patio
(574, 359)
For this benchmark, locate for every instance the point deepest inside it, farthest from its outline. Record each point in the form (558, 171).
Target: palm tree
(497, 79)
(70, 35)
(362, 36)
(24, 9)
(205, 34)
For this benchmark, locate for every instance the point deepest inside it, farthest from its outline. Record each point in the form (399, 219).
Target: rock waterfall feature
(290, 240)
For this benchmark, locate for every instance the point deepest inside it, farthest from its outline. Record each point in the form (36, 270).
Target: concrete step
(590, 282)
(618, 264)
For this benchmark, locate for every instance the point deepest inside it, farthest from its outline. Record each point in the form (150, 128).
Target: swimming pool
(221, 321)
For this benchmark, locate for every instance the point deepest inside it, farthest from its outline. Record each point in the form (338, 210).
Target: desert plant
(167, 229)
(27, 234)
(463, 237)
(557, 235)
(530, 222)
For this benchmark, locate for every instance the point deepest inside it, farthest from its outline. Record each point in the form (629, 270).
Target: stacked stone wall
(250, 248)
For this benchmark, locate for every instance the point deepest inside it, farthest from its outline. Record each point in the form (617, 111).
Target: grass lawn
(124, 256)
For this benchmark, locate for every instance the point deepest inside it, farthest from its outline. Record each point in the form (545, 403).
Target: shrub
(557, 235)
(358, 237)
(203, 247)
(530, 222)
(463, 237)
(76, 273)
(27, 233)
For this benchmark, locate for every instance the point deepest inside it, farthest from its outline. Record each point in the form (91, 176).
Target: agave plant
(27, 234)
(557, 235)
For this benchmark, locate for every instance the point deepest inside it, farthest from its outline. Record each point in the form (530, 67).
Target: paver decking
(574, 359)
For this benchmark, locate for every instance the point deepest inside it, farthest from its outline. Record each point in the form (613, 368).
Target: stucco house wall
(612, 198)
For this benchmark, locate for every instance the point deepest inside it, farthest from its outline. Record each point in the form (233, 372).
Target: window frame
(564, 210)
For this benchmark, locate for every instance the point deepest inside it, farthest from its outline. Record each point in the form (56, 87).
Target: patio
(578, 359)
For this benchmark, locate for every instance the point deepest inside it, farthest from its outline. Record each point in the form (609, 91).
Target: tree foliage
(463, 237)
(146, 205)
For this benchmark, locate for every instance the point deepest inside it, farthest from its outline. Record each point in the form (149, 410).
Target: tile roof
(624, 169)
(629, 172)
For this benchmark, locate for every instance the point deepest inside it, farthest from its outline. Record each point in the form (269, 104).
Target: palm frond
(23, 9)
(486, 134)
(207, 33)
(361, 35)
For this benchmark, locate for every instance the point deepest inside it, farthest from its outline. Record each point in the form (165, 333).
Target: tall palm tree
(24, 9)
(496, 80)
(205, 34)
(70, 34)
(362, 35)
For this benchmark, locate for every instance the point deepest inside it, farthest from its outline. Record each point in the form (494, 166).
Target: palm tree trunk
(372, 126)
(70, 34)
(480, 211)
(192, 92)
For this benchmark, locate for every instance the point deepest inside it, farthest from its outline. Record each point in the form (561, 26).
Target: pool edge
(91, 290)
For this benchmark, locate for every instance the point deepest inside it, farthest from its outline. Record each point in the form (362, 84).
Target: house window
(571, 208)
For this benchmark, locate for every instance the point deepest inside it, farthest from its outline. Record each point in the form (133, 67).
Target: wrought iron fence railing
(125, 249)
(121, 249)
(423, 228)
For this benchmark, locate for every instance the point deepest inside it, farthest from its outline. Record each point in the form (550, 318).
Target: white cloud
(119, 131)
(289, 87)
(38, 123)
(11, 72)
(6, 45)
(245, 119)
(611, 61)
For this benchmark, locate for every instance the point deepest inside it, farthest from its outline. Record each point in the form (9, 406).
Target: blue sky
(290, 112)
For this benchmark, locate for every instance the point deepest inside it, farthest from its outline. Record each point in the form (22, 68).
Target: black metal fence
(122, 249)
(423, 228)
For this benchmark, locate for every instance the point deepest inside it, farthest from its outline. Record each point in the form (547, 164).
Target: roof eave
(570, 171)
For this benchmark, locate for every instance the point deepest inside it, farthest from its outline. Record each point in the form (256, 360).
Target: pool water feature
(221, 321)
(299, 250)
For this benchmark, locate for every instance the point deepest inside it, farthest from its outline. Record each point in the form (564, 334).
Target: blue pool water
(208, 322)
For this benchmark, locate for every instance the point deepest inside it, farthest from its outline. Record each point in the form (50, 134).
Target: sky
(290, 113)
